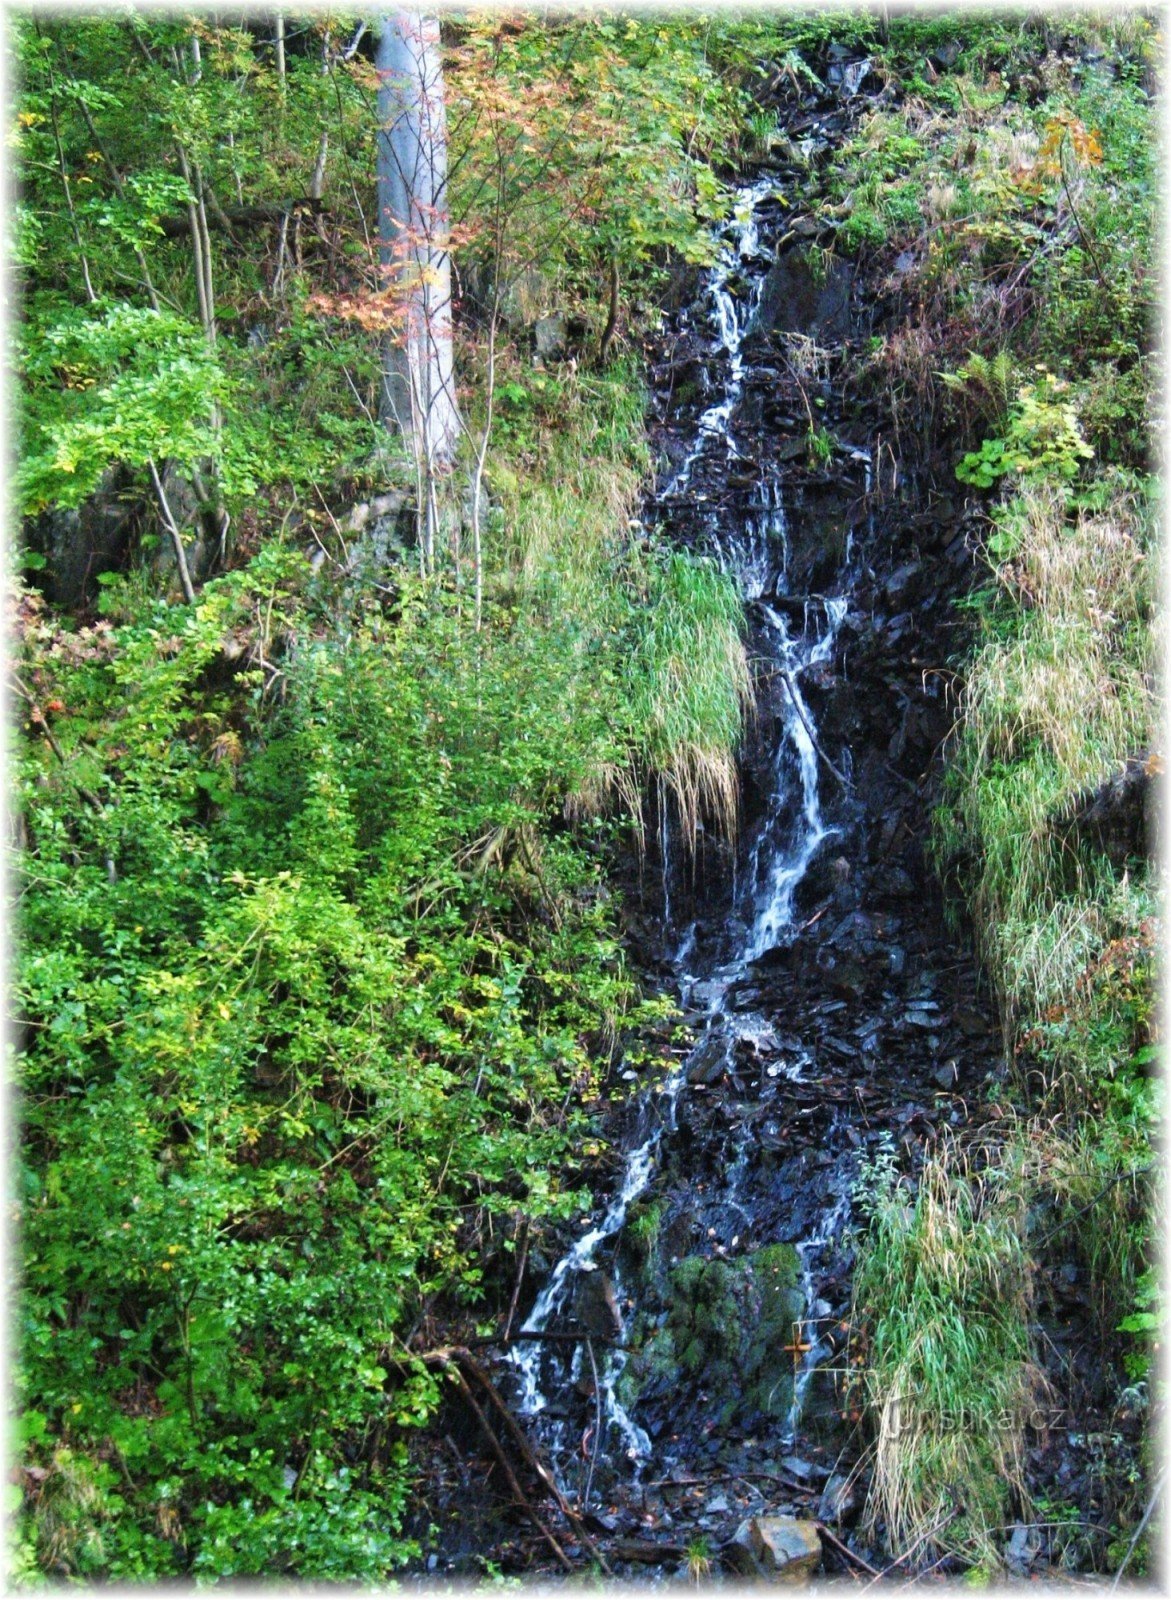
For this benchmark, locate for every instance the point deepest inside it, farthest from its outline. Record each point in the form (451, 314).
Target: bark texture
(418, 394)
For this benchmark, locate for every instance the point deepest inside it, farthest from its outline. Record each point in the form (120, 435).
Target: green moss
(728, 1323)
(643, 1226)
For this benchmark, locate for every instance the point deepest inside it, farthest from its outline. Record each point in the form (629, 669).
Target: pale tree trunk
(417, 392)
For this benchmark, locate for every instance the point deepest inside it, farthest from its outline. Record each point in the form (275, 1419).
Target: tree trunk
(418, 394)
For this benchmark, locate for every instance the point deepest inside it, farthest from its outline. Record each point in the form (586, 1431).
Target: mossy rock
(727, 1327)
(767, 1366)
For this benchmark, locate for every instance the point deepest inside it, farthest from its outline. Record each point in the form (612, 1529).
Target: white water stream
(785, 844)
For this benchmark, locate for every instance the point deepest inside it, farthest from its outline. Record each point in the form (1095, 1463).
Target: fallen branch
(460, 1361)
(923, 1539)
(844, 1549)
(172, 528)
(531, 1459)
(449, 1364)
(793, 696)
(488, 1339)
(520, 1272)
(227, 217)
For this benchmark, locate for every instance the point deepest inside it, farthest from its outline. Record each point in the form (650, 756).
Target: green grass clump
(1057, 697)
(688, 685)
(656, 636)
(942, 1293)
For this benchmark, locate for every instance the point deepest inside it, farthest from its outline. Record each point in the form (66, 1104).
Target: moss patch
(726, 1329)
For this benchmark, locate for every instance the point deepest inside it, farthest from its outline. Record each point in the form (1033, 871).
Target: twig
(504, 1463)
(520, 1272)
(844, 1549)
(1119, 1177)
(176, 537)
(918, 1544)
(485, 1340)
(793, 696)
(1138, 1532)
(585, 1494)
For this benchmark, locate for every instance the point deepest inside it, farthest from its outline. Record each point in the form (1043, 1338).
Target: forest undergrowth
(320, 969)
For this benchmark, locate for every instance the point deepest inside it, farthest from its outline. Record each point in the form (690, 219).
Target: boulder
(780, 1549)
(710, 1061)
(82, 542)
(805, 291)
(559, 335)
(1120, 817)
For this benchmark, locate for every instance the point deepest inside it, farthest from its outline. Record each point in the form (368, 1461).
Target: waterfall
(776, 858)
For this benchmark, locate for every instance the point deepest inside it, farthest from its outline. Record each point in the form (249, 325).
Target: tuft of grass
(689, 687)
(658, 634)
(699, 1558)
(67, 1516)
(1058, 696)
(942, 1295)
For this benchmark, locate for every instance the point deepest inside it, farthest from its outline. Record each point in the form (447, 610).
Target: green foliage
(1016, 184)
(279, 1072)
(1041, 438)
(579, 160)
(317, 989)
(126, 387)
(820, 444)
(1146, 1321)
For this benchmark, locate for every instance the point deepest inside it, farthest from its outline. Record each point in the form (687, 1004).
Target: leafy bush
(1041, 438)
(317, 991)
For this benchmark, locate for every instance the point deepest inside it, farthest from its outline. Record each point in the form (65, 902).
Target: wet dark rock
(710, 1061)
(947, 1076)
(81, 543)
(840, 1501)
(596, 1305)
(1121, 816)
(848, 979)
(799, 296)
(727, 1324)
(1023, 1547)
(901, 579)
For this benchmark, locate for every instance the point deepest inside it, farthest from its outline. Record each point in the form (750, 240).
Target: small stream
(701, 1315)
(774, 858)
(697, 1367)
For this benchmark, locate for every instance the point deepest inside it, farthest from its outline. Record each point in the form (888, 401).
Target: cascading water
(754, 547)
